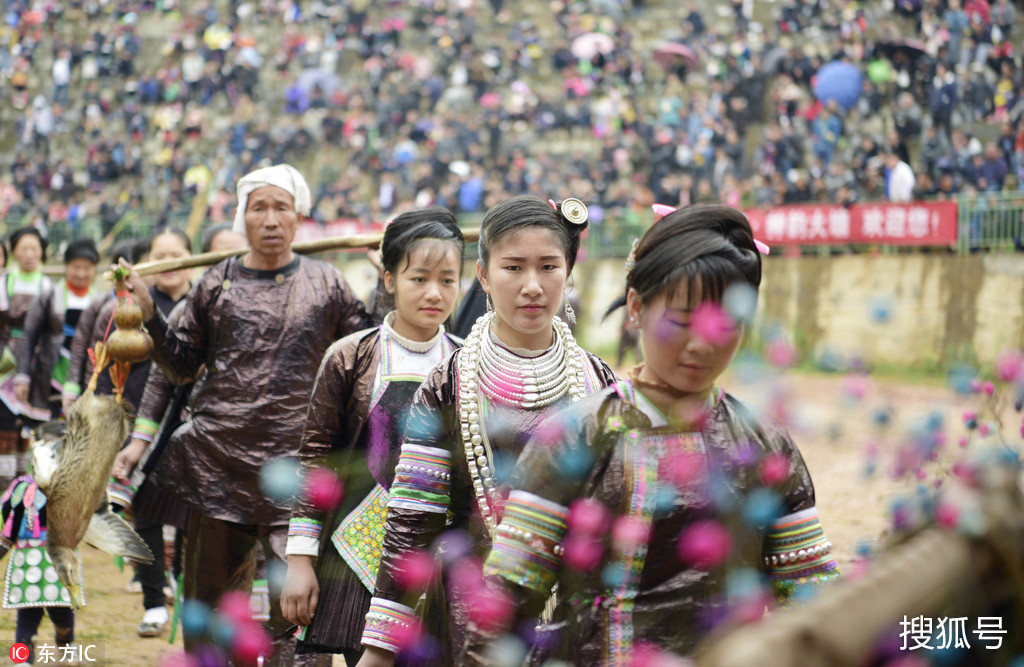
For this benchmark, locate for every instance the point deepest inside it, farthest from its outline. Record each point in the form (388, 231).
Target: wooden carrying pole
(302, 248)
(937, 571)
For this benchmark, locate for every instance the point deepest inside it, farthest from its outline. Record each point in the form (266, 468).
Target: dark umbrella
(671, 54)
(912, 49)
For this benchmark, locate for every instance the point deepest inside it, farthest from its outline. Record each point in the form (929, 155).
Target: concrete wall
(903, 309)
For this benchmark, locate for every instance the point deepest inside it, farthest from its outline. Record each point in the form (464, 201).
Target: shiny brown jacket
(434, 422)
(262, 335)
(583, 456)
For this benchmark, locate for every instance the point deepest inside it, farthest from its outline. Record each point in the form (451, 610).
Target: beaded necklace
(489, 372)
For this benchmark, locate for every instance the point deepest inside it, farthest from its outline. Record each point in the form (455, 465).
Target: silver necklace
(489, 372)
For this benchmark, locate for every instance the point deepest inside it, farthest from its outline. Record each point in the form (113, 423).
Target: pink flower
(947, 514)
(489, 608)
(704, 544)
(684, 468)
(324, 489)
(774, 469)
(712, 324)
(250, 643)
(587, 517)
(628, 532)
(1010, 366)
(582, 553)
(415, 570)
(235, 606)
(780, 353)
(856, 386)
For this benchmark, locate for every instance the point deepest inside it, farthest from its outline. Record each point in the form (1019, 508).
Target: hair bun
(574, 211)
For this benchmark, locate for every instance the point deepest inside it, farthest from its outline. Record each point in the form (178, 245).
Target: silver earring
(570, 314)
(490, 306)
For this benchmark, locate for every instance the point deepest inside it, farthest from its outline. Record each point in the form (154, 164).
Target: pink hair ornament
(661, 210)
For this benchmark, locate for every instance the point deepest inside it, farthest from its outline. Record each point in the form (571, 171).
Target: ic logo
(19, 653)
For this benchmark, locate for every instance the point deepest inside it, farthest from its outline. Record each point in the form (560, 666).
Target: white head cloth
(283, 176)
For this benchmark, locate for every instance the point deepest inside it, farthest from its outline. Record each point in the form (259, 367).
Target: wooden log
(349, 241)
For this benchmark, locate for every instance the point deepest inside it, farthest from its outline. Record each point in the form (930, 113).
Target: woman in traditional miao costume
(21, 285)
(642, 501)
(49, 328)
(365, 384)
(471, 419)
(151, 508)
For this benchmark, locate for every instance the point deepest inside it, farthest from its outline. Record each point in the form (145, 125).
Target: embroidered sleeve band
(528, 544)
(303, 537)
(797, 553)
(422, 479)
(388, 624)
(145, 429)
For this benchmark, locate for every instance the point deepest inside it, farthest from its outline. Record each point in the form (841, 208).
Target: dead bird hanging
(75, 469)
(73, 472)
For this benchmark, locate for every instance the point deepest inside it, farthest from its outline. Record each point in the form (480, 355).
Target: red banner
(310, 230)
(920, 223)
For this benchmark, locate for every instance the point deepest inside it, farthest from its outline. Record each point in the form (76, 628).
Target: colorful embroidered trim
(259, 600)
(303, 527)
(643, 483)
(145, 429)
(360, 537)
(422, 479)
(527, 546)
(386, 372)
(797, 553)
(591, 382)
(120, 494)
(386, 623)
(32, 579)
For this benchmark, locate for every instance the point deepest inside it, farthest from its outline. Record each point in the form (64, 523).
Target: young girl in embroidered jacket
(364, 386)
(471, 418)
(668, 462)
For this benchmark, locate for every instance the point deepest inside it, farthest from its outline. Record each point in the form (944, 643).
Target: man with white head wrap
(261, 324)
(283, 176)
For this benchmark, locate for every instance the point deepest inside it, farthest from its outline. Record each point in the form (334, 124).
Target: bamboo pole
(366, 240)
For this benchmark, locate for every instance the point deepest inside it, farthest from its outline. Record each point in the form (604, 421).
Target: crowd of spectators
(117, 114)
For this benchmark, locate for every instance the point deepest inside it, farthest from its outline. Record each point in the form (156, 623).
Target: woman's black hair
(211, 233)
(525, 211)
(82, 249)
(174, 231)
(128, 249)
(21, 233)
(407, 230)
(711, 243)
